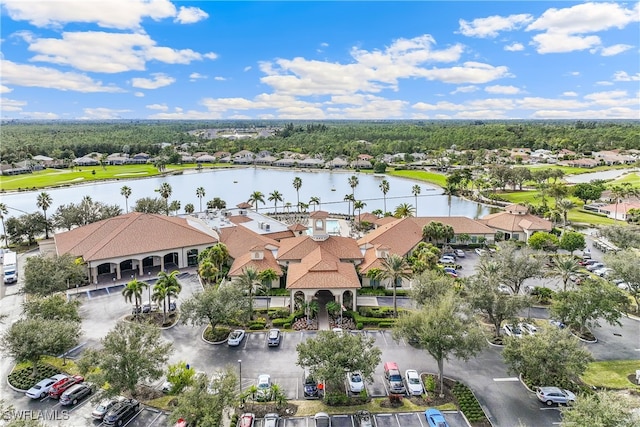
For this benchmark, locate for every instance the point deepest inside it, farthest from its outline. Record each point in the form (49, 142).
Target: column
(118, 275)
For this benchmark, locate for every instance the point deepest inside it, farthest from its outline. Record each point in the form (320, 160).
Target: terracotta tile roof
(623, 207)
(131, 234)
(244, 261)
(371, 260)
(280, 235)
(385, 220)
(297, 227)
(244, 205)
(239, 240)
(399, 236)
(296, 248)
(239, 219)
(514, 207)
(460, 224)
(320, 269)
(367, 217)
(509, 222)
(319, 214)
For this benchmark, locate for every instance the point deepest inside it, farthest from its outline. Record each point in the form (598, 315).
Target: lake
(236, 185)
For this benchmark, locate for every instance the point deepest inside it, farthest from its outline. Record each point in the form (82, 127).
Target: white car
(459, 253)
(595, 266)
(414, 385)
(41, 389)
(264, 388)
(271, 420)
(528, 328)
(504, 289)
(356, 382)
(603, 272)
(447, 260)
(512, 330)
(235, 338)
(480, 251)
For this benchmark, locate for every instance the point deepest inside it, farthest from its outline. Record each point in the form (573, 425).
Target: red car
(59, 387)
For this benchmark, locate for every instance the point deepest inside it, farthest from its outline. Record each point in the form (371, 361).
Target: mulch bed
(261, 409)
(154, 319)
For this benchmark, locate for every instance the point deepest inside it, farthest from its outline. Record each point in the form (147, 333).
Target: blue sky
(158, 59)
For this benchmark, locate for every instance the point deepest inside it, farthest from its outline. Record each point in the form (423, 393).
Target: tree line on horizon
(68, 140)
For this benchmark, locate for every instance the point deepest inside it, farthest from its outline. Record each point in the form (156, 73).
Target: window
(192, 257)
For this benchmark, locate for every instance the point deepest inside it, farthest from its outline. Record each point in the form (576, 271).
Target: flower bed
(24, 378)
(468, 404)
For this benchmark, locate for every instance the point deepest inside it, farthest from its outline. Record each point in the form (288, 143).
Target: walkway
(323, 318)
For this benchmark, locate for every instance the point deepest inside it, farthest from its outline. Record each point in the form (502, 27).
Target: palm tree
(359, 204)
(287, 206)
(564, 266)
(267, 277)
(218, 255)
(44, 202)
(207, 271)
(255, 198)
(249, 280)
(165, 192)
(404, 210)
(384, 186)
(275, 197)
(395, 268)
(200, 193)
(415, 190)
(349, 198)
(315, 201)
(436, 231)
(171, 282)
(160, 296)
(133, 291)
(353, 183)
(126, 192)
(189, 208)
(4, 211)
(174, 206)
(297, 184)
(564, 206)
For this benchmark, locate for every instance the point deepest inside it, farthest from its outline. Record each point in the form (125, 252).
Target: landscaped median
(613, 374)
(22, 377)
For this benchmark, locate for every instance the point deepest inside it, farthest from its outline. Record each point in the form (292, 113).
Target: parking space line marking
(512, 379)
(419, 415)
(384, 338)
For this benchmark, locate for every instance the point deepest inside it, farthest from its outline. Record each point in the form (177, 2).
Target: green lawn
(612, 374)
(431, 177)
(569, 170)
(62, 177)
(631, 178)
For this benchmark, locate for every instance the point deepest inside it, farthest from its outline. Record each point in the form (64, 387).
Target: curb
(595, 340)
(494, 345)
(12, 387)
(162, 328)
(210, 342)
(524, 384)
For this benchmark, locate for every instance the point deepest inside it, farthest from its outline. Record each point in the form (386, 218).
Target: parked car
(586, 254)
(558, 324)
(76, 393)
(480, 251)
(247, 420)
(355, 381)
(621, 284)
(235, 338)
(595, 266)
(309, 386)
(435, 418)
(105, 406)
(551, 395)
(145, 307)
(271, 420)
(173, 306)
(394, 378)
(64, 384)
(264, 388)
(273, 339)
(322, 419)
(459, 253)
(586, 262)
(447, 260)
(122, 412)
(451, 271)
(504, 289)
(603, 272)
(41, 389)
(414, 384)
(528, 328)
(363, 418)
(512, 330)
(338, 331)
(451, 254)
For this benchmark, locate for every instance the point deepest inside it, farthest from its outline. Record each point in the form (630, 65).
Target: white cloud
(566, 30)
(196, 76)
(219, 78)
(119, 14)
(102, 113)
(535, 103)
(159, 80)
(611, 98)
(503, 90)
(33, 76)
(604, 83)
(464, 89)
(469, 72)
(324, 44)
(160, 107)
(574, 73)
(622, 76)
(492, 25)
(190, 15)
(609, 113)
(38, 115)
(7, 104)
(5, 89)
(569, 93)
(104, 52)
(615, 49)
(514, 47)
(211, 55)
(139, 94)
(247, 68)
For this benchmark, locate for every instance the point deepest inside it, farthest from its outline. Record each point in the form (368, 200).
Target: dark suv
(76, 393)
(121, 412)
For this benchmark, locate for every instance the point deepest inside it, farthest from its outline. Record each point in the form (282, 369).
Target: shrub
(24, 378)
(542, 295)
(386, 324)
(256, 326)
(220, 333)
(278, 313)
(286, 326)
(468, 403)
(359, 325)
(429, 383)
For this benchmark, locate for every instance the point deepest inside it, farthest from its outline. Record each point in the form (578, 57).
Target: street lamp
(240, 369)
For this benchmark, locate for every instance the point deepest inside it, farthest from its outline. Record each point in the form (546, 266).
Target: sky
(368, 60)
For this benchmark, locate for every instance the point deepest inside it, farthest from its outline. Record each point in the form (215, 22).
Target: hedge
(24, 379)
(288, 320)
(382, 292)
(468, 403)
(370, 321)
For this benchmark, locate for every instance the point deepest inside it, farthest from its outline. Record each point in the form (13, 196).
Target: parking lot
(407, 419)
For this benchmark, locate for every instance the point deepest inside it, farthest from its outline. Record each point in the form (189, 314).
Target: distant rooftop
(218, 219)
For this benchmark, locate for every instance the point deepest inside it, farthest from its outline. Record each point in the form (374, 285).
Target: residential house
(516, 223)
